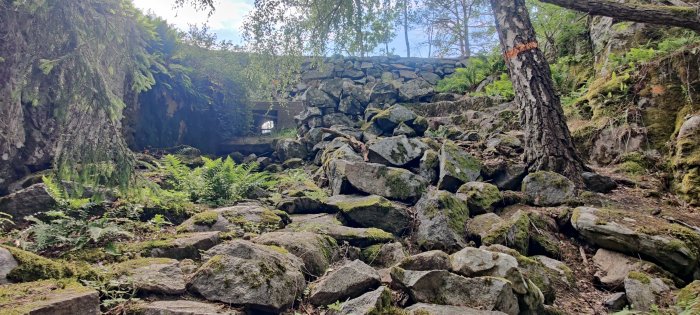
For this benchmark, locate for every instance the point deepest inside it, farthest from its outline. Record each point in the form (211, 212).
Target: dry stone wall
(339, 90)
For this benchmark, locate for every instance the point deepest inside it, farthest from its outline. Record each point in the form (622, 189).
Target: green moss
(481, 198)
(278, 249)
(371, 253)
(462, 160)
(688, 298)
(378, 234)
(456, 210)
(206, 218)
(362, 203)
(23, 298)
(32, 267)
(513, 233)
(639, 276)
(631, 168)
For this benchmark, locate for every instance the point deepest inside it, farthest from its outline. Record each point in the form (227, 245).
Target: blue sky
(228, 18)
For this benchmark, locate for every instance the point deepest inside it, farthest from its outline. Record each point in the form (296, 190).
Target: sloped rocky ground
(424, 210)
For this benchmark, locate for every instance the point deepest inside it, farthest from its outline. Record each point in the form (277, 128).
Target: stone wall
(338, 91)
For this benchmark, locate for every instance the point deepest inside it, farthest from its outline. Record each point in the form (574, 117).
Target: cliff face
(67, 67)
(83, 82)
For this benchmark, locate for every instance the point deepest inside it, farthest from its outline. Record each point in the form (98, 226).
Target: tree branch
(680, 16)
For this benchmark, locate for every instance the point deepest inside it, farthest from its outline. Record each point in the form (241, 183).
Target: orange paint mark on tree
(518, 49)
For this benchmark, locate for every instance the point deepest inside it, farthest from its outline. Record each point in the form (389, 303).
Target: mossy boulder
(181, 246)
(471, 262)
(315, 250)
(328, 224)
(446, 288)
(514, 232)
(388, 182)
(370, 303)
(387, 120)
(686, 160)
(429, 166)
(7, 263)
(457, 167)
(372, 211)
(644, 291)
(243, 218)
(255, 276)
(548, 189)
(442, 217)
(55, 297)
(430, 260)
(481, 197)
(151, 275)
(383, 255)
(287, 149)
(688, 298)
(32, 267)
(672, 246)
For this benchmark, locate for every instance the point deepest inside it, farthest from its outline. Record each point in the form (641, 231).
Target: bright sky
(227, 20)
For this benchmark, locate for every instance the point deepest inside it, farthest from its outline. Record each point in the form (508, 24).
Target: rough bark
(548, 144)
(680, 16)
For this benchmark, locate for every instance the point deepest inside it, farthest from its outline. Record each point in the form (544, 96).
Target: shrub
(217, 182)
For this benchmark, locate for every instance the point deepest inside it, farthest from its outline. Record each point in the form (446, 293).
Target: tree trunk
(681, 16)
(548, 144)
(405, 28)
(466, 14)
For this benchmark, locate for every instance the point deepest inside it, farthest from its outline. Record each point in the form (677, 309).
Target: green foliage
(337, 306)
(60, 233)
(5, 219)
(476, 70)
(502, 87)
(217, 182)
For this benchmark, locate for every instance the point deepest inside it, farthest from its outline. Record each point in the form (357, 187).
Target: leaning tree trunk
(548, 144)
(671, 15)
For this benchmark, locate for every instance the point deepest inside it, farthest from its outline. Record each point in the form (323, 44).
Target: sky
(228, 18)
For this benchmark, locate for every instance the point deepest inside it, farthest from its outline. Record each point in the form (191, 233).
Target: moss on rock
(32, 267)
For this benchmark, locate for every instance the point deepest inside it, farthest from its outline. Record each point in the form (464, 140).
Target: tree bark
(680, 16)
(548, 144)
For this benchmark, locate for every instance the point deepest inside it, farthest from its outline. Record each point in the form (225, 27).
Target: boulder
(687, 298)
(686, 160)
(388, 119)
(49, 297)
(152, 275)
(430, 260)
(328, 224)
(370, 303)
(614, 267)
(389, 182)
(642, 291)
(671, 246)
(481, 197)
(475, 262)
(616, 301)
(446, 288)
(7, 263)
(184, 246)
(314, 97)
(436, 309)
(383, 255)
(259, 277)
(372, 211)
(489, 229)
(243, 218)
(28, 201)
(404, 130)
(383, 93)
(346, 282)
(441, 221)
(315, 250)
(598, 183)
(182, 307)
(416, 90)
(287, 149)
(395, 151)
(429, 166)
(457, 167)
(548, 189)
